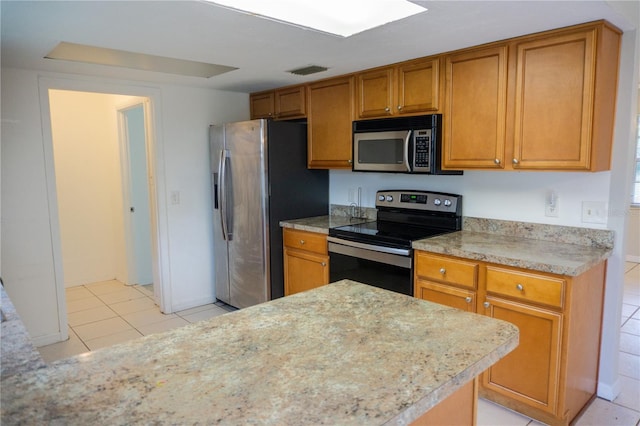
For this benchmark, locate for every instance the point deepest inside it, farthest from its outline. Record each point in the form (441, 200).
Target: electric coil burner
(379, 253)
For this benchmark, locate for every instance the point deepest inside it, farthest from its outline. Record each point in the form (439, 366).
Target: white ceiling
(265, 50)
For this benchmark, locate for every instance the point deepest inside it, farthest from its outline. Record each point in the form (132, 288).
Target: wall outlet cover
(594, 212)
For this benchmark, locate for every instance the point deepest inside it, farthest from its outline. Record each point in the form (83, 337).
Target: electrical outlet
(351, 196)
(594, 212)
(175, 197)
(551, 206)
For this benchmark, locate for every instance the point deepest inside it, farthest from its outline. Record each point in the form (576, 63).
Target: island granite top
(345, 353)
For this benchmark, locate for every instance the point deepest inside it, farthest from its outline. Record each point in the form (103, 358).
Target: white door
(136, 185)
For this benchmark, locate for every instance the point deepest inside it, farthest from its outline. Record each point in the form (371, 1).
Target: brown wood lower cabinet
(459, 408)
(552, 375)
(306, 261)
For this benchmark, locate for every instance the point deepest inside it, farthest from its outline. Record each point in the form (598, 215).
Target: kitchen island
(345, 353)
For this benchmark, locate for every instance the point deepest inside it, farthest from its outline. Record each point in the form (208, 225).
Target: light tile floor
(103, 314)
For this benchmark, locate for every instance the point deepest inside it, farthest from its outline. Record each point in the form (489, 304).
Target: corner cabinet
(331, 109)
(541, 102)
(552, 375)
(408, 88)
(306, 261)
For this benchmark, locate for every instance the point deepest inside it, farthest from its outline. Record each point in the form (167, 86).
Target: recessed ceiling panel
(140, 61)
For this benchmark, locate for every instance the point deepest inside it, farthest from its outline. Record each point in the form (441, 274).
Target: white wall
(181, 118)
(89, 186)
(500, 195)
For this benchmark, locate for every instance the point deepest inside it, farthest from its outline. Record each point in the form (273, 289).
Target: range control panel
(420, 200)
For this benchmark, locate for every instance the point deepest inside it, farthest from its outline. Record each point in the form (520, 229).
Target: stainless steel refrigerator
(259, 177)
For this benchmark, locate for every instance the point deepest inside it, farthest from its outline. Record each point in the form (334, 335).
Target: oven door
(381, 151)
(364, 263)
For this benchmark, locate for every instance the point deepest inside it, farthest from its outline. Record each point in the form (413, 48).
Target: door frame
(158, 202)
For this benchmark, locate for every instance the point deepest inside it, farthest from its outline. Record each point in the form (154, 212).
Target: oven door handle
(382, 249)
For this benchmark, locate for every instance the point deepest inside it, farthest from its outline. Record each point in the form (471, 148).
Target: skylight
(339, 17)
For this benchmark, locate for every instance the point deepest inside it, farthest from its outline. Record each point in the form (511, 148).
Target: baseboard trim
(609, 392)
(191, 304)
(50, 339)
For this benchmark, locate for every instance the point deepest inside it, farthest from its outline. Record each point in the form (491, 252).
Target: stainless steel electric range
(379, 253)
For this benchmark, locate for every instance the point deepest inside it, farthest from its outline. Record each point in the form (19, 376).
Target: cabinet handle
(515, 161)
(519, 287)
(443, 271)
(497, 161)
(302, 242)
(387, 109)
(399, 107)
(324, 263)
(349, 161)
(486, 305)
(467, 299)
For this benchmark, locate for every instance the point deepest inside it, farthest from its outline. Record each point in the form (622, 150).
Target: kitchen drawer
(447, 270)
(302, 240)
(525, 286)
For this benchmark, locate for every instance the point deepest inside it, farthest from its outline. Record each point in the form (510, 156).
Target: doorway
(94, 210)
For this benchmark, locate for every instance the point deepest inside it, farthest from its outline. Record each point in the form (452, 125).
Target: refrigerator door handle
(226, 200)
(221, 192)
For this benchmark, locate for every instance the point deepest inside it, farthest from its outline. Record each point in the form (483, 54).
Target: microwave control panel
(422, 150)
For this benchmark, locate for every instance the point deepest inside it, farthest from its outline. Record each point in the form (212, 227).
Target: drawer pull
(519, 287)
(467, 299)
(486, 304)
(443, 271)
(302, 242)
(324, 263)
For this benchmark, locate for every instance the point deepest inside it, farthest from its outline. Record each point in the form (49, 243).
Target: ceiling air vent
(311, 69)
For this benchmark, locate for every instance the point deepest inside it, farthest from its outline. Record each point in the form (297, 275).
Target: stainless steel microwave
(399, 145)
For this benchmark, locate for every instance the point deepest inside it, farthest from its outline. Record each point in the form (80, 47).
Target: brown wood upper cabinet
(281, 104)
(475, 108)
(329, 120)
(408, 88)
(542, 102)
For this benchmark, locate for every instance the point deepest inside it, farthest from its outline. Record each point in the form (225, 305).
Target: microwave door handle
(406, 150)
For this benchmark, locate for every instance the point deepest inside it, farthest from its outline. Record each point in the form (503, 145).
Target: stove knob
(389, 198)
(437, 201)
(380, 197)
(447, 203)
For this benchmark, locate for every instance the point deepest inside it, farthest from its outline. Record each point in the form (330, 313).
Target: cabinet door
(475, 109)
(446, 295)
(329, 124)
(418, 87)
(262, 105)
(291, 103)
(554, 102)
(375, 93)
(304, 271)
(530, 373)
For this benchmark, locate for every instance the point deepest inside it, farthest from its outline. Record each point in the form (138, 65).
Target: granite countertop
(17, 353)
(345, 353)
(562, 250)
